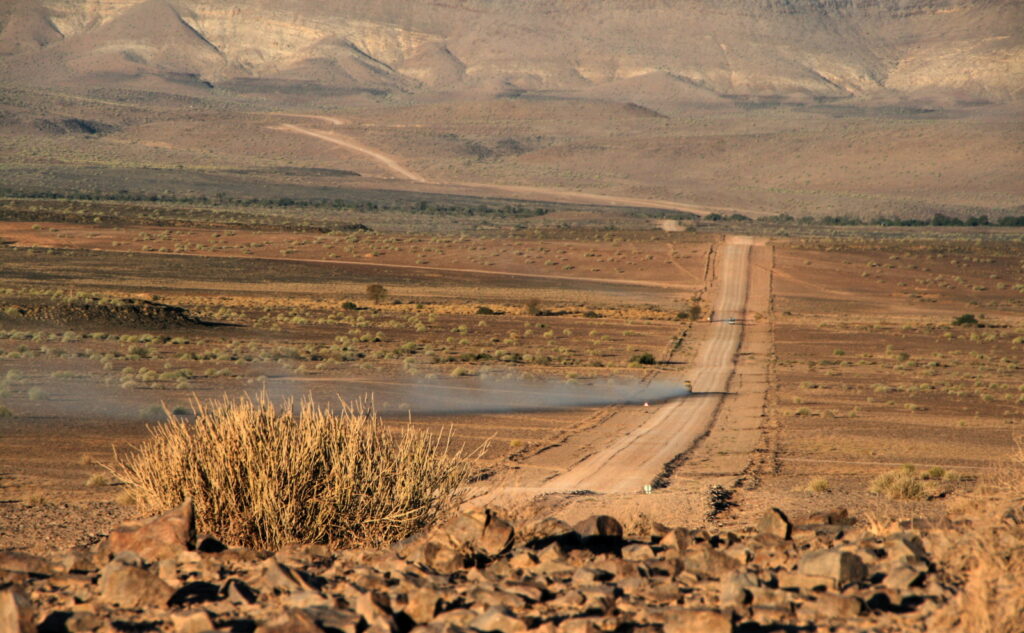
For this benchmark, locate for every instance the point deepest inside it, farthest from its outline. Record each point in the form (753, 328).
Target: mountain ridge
(875, 50)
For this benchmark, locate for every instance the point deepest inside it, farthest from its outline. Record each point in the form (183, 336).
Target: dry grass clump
(903, 483)
(262, 475)
(818, 485)
(989, 560)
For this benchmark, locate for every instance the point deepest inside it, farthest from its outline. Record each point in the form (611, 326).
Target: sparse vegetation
(819, 485)
(264, 475)
(376, 293)
(966, 320)
(901, 484)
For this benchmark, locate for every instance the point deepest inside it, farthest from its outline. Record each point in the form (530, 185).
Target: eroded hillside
(657, 52)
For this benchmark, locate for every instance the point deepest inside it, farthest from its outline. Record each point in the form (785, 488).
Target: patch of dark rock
(73, 126)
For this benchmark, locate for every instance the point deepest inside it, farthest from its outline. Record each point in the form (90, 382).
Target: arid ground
(528, 343)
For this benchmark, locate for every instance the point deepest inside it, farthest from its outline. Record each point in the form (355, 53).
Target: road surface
(348, 143)
(524, 192)
(636, 457)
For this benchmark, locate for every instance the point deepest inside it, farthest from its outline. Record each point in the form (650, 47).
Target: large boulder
(160, 537)
(132, 587)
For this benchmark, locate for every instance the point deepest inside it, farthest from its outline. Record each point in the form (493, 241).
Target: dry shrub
(904, 483)
(988, 558)
(818, 485)
(262, 476)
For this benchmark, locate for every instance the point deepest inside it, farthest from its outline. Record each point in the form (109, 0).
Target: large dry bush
(263, 475)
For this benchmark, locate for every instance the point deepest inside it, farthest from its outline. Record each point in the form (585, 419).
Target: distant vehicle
(732, 321)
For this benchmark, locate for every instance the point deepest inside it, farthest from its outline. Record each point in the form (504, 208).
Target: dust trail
(486, 394)
(391, 397)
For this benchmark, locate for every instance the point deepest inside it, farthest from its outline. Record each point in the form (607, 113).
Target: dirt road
(648, 438)
(524, 192)
(348, 143)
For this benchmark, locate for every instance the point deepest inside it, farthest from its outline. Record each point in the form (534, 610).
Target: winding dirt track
(635, 458)
(348, 143)
(396, 169)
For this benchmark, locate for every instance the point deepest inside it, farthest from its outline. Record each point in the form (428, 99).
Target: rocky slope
(479, 574)
(679, 50)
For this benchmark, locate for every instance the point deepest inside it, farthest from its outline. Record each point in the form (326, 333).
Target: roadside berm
(480, 573)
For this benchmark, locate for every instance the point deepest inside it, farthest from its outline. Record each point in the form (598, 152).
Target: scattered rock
(157, 538)
(196, 622)
(132, 587)
(25, 564)
(599, 527)
(709, 563)
(443, 560)
(830, 605)
(843, 567)
(17, 615)
(474, 575)
(291, 621)
(902, 577)
(698, 621)
(776, 523)
(497, 620)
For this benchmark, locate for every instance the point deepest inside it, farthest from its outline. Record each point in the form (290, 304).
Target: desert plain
(767, 289)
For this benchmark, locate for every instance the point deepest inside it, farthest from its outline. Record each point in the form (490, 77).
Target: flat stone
(421, 605)
(697, 621)
(237, 592)
(132, 587)
(578, 625)
(306, 598)
(830, 605)
(551, 553)
(17, 615)
(734, 589)
(523, 560)
(776, 523)
(457, 617)
(375, 609)
(497, 620)
(839, 516)
(83, 622)
(709, 563)
(79, 561)
(442, 559)
(160, 537)
(334, 619)
(905, 547)
(497, 536)
(843, 567)
(25, 564)
(773, 598)
(292, 621)
(902, 577)
(676, 538)
(279, 578)
(195, 622)
(637, 552)
(599, 526)
(803, 582)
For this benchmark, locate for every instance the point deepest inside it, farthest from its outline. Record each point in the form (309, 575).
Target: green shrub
(646, 358)
(966, 319)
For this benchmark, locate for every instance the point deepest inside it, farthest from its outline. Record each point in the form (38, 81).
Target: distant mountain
(654, 51)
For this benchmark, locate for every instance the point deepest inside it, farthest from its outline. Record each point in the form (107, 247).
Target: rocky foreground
(478, 573)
